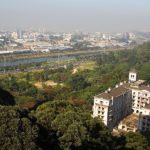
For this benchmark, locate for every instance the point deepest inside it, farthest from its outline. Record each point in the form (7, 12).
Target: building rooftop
(137, 86)
(139, 82)
(144, 87)
(123, 88)
(133, 70)
(115, 92)
(131, 120)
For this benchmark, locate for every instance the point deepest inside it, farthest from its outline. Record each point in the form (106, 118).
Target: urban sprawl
(21, 41)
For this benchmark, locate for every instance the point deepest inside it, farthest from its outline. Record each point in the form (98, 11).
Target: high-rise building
(20, 34)
(115, 105)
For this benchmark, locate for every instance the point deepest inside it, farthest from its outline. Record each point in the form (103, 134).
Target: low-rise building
(129, 123)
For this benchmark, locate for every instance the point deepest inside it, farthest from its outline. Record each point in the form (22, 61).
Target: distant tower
(132, 76)
(20, 34)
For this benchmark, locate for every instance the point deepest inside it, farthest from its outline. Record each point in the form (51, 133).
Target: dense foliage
(17, 130)
(74, 128)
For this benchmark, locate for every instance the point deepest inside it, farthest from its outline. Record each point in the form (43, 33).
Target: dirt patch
(39, 85)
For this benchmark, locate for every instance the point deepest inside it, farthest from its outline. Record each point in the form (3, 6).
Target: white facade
(140, 99)
(101, 108)
(132, 76)
(14, 35)
(112, 106)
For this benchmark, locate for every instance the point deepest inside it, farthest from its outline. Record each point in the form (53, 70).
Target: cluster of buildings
(110, 40)
(46, 41)
(34, 40)
(125, 107)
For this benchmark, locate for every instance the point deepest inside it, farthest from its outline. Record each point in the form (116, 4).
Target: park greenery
(59, 116)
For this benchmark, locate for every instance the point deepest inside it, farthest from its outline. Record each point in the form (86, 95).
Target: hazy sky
(69, 15)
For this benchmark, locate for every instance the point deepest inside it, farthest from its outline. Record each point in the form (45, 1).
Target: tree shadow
(6, 98)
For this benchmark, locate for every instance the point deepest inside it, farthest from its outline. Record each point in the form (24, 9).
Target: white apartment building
(114, 106)
(14, 35)
(141, 101)
(141, 97)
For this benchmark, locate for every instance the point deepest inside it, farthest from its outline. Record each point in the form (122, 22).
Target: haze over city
(69, 15)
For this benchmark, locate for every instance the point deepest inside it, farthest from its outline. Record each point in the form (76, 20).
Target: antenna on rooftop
(109, 90)
(117, 86)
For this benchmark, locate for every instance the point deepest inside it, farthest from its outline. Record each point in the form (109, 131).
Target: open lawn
(39, 85)
(84, 66)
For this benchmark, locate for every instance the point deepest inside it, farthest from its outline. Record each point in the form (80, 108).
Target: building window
(101, 102)
(123, 127)
(143, 128)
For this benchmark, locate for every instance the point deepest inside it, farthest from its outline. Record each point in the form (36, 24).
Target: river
(11, 63)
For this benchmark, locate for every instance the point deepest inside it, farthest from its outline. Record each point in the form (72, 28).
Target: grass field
(85, 66)
(39, 85)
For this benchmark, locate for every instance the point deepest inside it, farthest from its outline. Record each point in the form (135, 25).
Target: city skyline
(85, 15)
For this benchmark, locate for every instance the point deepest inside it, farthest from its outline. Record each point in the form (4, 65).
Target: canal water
(11, 63)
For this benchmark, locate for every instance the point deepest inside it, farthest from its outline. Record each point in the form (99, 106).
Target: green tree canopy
(17, 130)
(77, 82)
(136, 141)
(73, 127)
